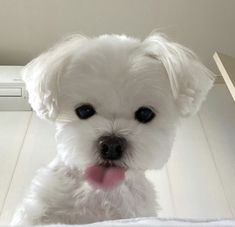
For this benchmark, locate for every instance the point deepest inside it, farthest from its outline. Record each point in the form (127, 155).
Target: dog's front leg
(31, 211)
(38, 200)
(49, 197)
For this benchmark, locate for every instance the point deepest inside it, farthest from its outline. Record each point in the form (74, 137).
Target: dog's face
(116, 100)
(111, 92)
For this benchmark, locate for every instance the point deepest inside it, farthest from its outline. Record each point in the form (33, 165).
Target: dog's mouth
(105, 176)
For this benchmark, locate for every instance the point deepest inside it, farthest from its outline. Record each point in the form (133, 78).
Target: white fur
(117, 75)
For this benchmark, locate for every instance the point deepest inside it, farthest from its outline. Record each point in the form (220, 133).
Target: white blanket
(158, 222)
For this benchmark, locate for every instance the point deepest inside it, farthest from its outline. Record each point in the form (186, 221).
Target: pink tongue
(104, 177)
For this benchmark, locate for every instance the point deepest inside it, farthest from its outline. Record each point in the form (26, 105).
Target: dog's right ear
(42, 76)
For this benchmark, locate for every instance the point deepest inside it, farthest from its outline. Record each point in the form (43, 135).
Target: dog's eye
(85, 111)
(144, 114)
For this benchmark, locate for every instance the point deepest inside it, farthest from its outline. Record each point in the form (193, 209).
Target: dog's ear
(42, 76)
(190, 80)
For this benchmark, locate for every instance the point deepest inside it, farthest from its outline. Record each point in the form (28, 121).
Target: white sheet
(158, 222)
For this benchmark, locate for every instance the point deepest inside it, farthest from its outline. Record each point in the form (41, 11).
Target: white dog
(115, 101)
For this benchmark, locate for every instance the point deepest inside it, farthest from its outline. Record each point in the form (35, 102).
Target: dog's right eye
(85, 111)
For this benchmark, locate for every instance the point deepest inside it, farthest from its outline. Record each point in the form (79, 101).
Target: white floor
(198, 181)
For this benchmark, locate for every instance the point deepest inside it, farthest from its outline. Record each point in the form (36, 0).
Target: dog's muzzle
(111, 147)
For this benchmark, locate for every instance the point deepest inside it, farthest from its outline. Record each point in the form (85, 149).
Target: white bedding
(158, 222)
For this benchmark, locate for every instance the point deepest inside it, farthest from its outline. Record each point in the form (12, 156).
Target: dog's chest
(88, 205)
(71, 200)
(85, 205)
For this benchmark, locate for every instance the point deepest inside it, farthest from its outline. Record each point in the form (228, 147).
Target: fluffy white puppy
(115, 101)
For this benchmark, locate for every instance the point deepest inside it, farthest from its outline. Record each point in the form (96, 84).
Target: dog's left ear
(190, 80)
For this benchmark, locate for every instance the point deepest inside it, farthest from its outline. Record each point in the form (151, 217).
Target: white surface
(10, 92)
(38, 150)
(198, 181)
(197, 190)
(13, 95)
(10, 74)
(155, 222)
(13, 127)
(218, 120)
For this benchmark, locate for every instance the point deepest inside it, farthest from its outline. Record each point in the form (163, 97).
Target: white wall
(28, 27)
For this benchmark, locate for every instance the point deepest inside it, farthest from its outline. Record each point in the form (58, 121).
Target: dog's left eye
(144, 115)
(85, 111)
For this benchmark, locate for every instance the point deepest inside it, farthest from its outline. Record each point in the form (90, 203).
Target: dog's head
(116, 100)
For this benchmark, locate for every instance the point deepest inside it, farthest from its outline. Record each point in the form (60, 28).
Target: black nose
(111, 147)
